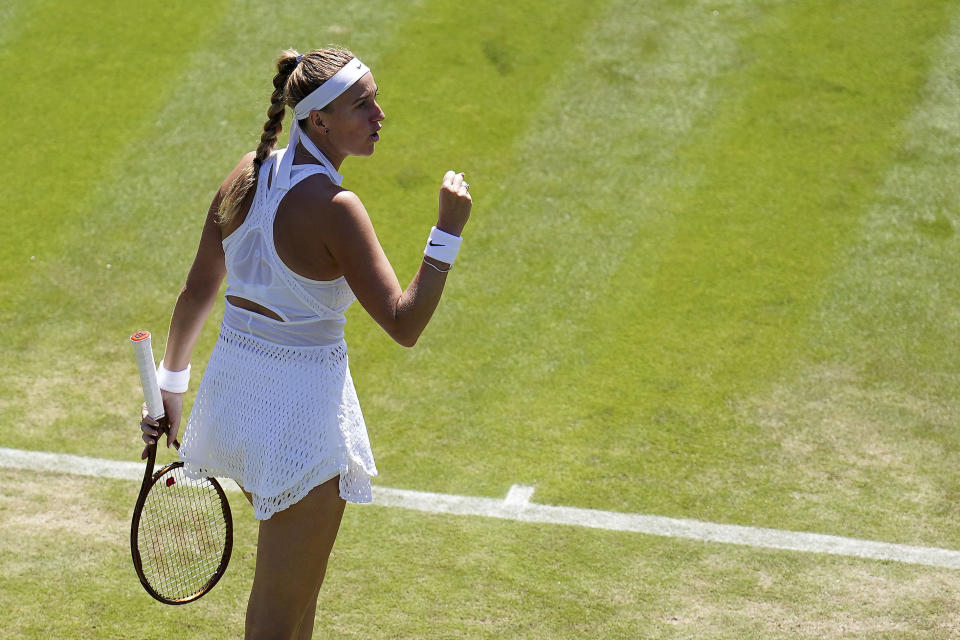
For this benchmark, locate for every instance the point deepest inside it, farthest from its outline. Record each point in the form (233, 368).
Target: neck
(323, 144)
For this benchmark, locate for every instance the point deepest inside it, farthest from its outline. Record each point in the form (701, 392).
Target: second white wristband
(442, 246)
(173, 381)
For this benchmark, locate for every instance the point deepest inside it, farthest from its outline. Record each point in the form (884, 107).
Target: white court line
(517, 506)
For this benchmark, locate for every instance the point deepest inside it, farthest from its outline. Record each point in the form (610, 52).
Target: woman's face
(354, 119)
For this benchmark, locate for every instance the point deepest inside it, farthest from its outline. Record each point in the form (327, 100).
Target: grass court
(711, 273)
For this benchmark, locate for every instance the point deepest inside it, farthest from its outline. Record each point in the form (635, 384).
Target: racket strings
(182, 535)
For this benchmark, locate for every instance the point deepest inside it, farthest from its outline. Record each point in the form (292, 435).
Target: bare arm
(193, 305)
(203, 281)
(351, 240)
(198, 295)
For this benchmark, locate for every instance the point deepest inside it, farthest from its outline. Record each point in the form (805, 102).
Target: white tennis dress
(276, 409)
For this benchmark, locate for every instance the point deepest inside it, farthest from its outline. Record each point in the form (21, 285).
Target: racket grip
(143, 349)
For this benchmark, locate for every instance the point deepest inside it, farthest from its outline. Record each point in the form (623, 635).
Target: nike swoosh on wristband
(434, 244)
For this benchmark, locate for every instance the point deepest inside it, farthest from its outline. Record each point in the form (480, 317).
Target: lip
(375, 136)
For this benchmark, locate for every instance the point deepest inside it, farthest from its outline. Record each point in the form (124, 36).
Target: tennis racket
(182, 531)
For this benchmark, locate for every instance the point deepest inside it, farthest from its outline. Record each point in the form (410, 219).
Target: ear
(316, 119)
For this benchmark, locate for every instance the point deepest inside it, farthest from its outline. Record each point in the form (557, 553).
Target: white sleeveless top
(312, 310)
(276, 409)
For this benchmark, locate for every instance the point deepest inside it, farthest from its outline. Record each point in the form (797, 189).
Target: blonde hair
(294, 81)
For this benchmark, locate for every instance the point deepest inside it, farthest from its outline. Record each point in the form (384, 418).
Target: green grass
(787, 163)
(400, 574)
(710, 274)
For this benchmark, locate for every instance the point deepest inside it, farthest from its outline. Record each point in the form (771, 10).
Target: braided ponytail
(247, 178)
(293, 82)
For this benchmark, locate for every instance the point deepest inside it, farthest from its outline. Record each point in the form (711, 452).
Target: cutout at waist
(307, 331)
(252, 306)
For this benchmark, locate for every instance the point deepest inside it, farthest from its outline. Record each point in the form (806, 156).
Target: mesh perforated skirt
(278, 420)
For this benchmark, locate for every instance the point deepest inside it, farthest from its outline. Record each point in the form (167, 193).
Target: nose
(379, 115)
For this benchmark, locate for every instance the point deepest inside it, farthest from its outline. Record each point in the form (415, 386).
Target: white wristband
(173, 381)
(442, 246)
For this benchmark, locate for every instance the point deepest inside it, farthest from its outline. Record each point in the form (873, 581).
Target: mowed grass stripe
(68, 325)
(786, 165)
(868, 419)
(81, 80)
(461, 103)
(113, 68)
(547, 233)
(9, 24)
(470, 103)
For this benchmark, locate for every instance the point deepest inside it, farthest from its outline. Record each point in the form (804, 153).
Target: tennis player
(276, 409)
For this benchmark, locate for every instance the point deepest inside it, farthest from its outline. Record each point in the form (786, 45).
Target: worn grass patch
(842, 442)
(402, 574)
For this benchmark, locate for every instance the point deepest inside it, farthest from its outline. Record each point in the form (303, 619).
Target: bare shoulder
(318, 203)
(245, 161)
(348, 222)
(346, 208)
(315, 223)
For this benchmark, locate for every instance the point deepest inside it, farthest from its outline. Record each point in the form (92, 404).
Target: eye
(363, 103)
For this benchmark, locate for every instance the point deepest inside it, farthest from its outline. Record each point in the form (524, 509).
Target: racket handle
(143, 349)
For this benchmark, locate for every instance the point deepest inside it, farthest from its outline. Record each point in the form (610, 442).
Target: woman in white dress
(276, 409)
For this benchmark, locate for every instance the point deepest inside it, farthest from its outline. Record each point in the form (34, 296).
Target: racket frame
(141, 341)
(149, 479)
